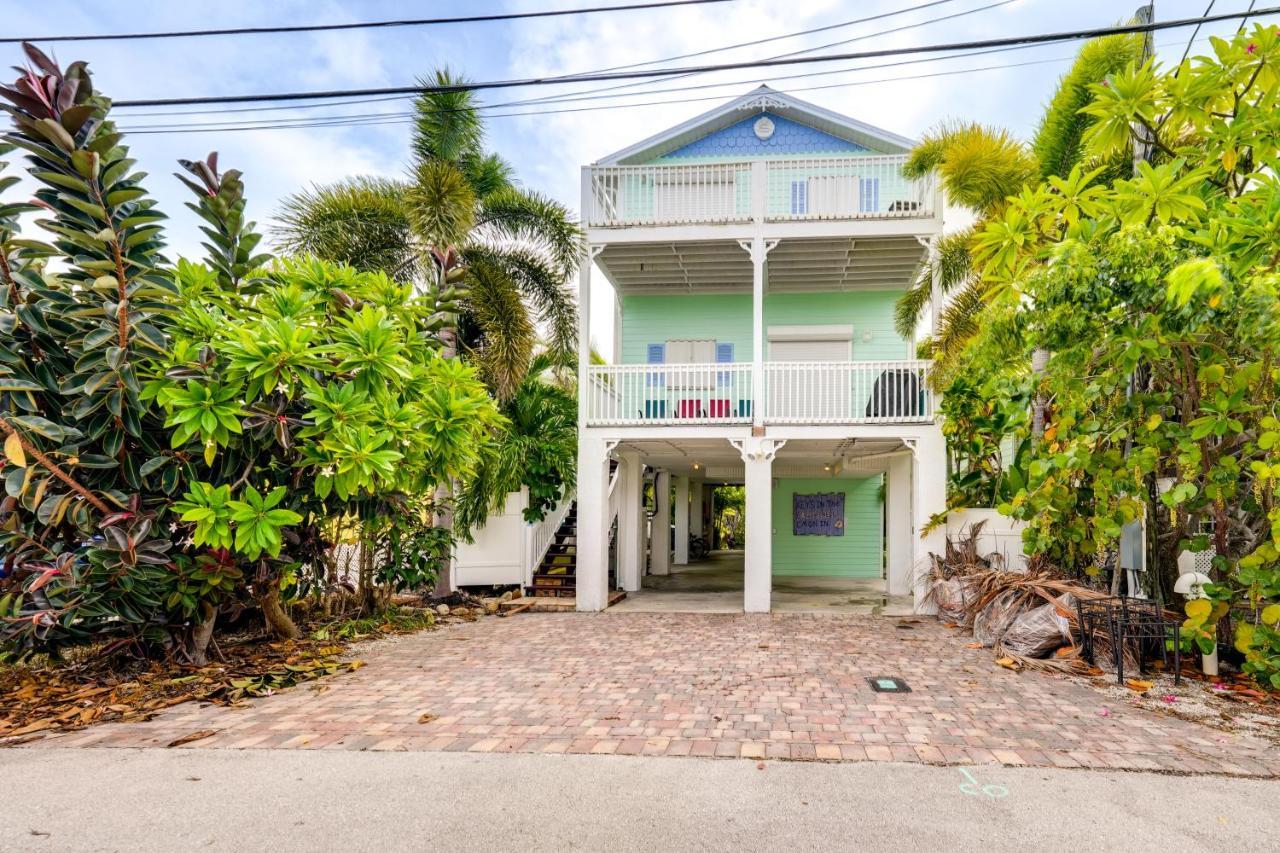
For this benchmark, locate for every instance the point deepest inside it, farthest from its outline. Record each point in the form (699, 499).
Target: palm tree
(495, 257)
(981, 168)
(537, 448)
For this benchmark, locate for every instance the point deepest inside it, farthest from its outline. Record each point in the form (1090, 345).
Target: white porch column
(696, 488)
(930, 499)
(631, 522)
(757, 582)
(592, 558)
(660, 531)
(897, 509)
(682, 521)
(584, 327)
(759, 250)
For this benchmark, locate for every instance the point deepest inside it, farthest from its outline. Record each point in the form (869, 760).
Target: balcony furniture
(718, 408)
(896, 394)
(655, 409)
(690, 409)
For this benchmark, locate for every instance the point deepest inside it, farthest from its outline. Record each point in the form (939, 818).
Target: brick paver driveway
(751, 686)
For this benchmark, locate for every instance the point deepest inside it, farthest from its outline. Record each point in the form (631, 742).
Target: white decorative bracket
(748, 246)
(912, 445)
(594, 250)
(758, 449)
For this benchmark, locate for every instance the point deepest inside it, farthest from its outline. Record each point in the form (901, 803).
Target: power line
(571, 98)
(571, 77)
(360, 25)
(1038, 38)
(406, 118)
(598, 94)
(791, 35)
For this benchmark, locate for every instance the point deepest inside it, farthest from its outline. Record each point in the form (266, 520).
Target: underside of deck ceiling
(807, 264)
(718, 462)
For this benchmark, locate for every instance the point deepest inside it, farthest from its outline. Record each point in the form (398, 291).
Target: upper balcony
(803, 393)
(833, 189)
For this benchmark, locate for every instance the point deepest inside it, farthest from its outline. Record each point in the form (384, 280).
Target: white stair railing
(540, 535)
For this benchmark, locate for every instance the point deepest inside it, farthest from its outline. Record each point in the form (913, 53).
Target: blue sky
(546, 148)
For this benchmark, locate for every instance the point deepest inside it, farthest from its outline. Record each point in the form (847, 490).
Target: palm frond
(953, 267)
(441, 204)
(1058, 139)
(506, 349)
(528, 217)
(447, 125)
(541, 284)
(909, 310)
(959, 322)
(488, 174)
(979, 166)
(361, 221)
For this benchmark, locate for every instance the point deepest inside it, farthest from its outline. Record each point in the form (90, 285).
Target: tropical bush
(182, 436)
(1156, 297)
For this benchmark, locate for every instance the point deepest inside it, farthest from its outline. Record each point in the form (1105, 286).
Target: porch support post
(897, 509)
(660, 530)
(631, 521)
(696, 488)
(757, 582)
(591, 573)
(682, 521)
(935, 287)
(584, 327)
(930, 499)
(759, 250)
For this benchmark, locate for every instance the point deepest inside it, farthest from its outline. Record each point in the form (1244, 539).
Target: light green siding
(856, 554)
(865, 310)
(726, 318)
(721, 317)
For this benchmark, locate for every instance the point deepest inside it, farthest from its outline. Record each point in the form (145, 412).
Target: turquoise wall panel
(868, 311)
(856, 554)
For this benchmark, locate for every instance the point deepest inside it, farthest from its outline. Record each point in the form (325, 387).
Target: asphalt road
(279, 801)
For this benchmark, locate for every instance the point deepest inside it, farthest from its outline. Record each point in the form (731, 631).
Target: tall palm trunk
(443, 514)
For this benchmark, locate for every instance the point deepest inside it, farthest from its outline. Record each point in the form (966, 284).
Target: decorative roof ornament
(764, 101)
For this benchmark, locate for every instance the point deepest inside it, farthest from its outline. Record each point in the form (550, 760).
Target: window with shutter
(869, 195)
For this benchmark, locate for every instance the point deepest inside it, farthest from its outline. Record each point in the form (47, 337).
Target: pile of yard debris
(1028, 617)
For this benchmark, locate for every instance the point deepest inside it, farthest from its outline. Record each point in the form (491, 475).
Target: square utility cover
(886, 684)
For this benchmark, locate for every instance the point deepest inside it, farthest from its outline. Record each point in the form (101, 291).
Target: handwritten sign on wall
(818, 515)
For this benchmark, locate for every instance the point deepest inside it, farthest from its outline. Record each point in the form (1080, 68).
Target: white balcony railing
(847, 392)
(852, 392)
(670, 394)
(870, 187)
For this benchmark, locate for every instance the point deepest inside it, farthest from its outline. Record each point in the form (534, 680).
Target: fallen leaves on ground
(1138, 685)
(52, 698)
(192, 738)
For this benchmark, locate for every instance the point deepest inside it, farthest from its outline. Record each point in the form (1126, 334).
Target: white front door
(816, 389)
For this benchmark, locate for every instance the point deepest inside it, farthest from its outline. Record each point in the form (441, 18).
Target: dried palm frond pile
(1028, 617)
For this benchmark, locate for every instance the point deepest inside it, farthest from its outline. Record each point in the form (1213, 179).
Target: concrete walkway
(734, 686)
(158, 801)
(714, 585)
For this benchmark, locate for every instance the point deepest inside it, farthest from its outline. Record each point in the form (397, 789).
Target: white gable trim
(761, 99)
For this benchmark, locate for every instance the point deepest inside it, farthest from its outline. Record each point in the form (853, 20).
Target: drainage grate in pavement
(886, 684)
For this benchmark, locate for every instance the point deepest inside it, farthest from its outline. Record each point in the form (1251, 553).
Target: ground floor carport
(832, 519)
(715, 585)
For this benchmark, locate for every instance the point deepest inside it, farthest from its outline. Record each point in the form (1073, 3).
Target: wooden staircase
(554, 576)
